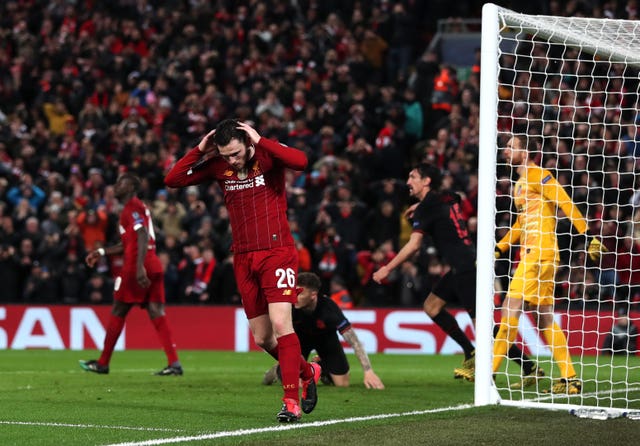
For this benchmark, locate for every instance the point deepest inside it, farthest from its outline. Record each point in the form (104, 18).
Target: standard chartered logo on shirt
(249, 183)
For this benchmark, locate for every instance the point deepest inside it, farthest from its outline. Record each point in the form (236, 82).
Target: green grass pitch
(46, 399)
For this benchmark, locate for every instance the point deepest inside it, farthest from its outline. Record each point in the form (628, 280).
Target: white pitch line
(286, 427)
(88, 426)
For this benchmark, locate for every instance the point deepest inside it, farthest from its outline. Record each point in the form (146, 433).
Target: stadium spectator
(377, 293)
(10, 274)
(382, 224)
(170, 218)
(339, 293)
(26, 191)
(92, 225)
(628, 270)
(113, 107)
(140, 282)
(73, 279)
(40, 286)
(99, 290)
(251, 171)
(199, 291)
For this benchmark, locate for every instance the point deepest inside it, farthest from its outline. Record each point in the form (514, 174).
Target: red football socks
(114, 328)
(290, 357)
(164, 333)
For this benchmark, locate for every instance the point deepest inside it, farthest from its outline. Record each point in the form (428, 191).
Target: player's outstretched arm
(553, 191)
(371, 380)
(405, 252)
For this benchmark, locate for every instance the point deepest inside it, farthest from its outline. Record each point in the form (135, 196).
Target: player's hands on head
(253, 135)
(207, 145)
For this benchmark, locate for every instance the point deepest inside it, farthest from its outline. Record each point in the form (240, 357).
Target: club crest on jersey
(546, 179)
(256, 167)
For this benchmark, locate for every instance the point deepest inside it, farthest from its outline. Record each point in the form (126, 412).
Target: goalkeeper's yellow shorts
(534, 281)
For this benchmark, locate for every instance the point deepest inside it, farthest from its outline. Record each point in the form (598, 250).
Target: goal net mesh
(571, 86)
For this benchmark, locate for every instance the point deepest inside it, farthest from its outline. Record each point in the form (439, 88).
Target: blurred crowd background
(90, 89)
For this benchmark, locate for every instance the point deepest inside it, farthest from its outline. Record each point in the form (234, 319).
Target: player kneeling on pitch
(317, 320)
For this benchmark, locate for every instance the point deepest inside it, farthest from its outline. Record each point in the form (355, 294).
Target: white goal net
(568, 89)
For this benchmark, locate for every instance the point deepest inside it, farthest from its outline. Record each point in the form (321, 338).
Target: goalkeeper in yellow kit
(537, 196)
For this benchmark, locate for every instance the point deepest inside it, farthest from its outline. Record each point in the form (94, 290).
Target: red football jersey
(135, 215)
(257, 204)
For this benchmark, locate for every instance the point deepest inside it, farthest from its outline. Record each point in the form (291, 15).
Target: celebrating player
(438, 214)
(141, 281)
(537, 195)
(250, 170)
(316, 320)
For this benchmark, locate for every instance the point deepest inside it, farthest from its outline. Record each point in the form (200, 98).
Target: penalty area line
(287, 427)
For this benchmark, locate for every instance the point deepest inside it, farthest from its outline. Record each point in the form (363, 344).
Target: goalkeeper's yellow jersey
(537, 195)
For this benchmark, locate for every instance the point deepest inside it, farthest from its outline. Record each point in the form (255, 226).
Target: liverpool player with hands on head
(250, 170)
(141, 281)
(438, 214)
(537, 197)
(317, 320)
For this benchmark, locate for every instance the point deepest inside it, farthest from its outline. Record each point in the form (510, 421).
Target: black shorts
(458, 288)
(330, 351)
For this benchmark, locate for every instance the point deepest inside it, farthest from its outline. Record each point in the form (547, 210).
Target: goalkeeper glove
(595, 248)
(497, 253)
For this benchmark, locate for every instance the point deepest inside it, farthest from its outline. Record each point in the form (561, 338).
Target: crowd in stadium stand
(92, 89)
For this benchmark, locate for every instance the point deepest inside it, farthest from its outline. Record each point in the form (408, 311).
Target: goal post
(571, 86)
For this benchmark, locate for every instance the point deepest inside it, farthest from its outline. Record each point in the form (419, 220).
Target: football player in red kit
(141, 281)
(250, 170)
